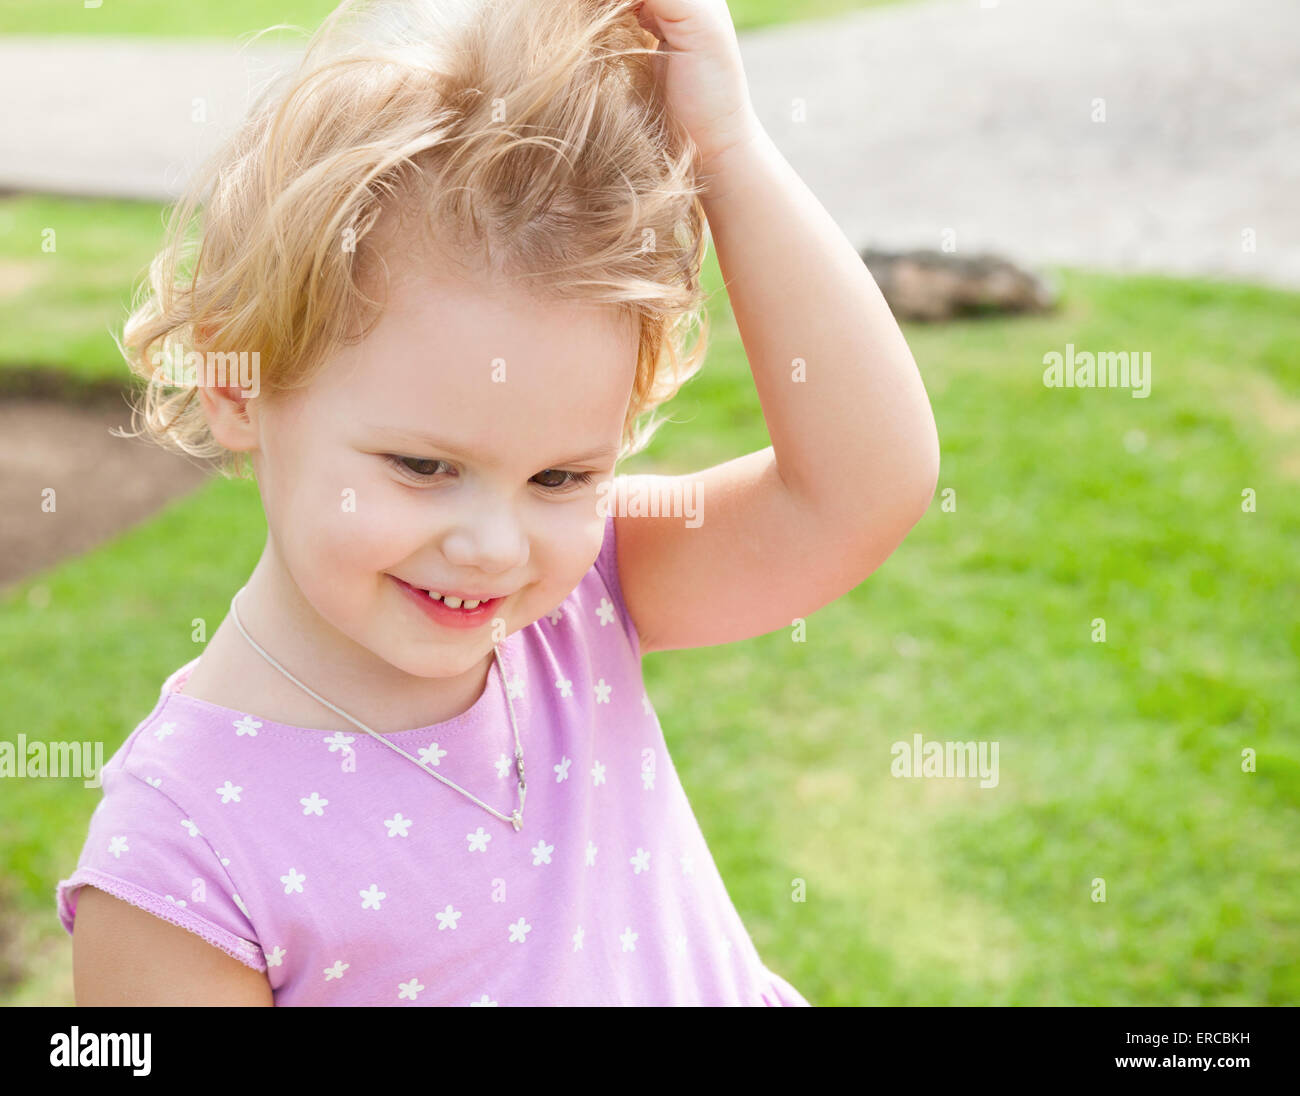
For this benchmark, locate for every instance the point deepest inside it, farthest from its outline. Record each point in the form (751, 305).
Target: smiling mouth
(453, 601)
(457, 603)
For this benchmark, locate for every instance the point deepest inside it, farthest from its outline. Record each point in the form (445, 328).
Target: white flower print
(398, 826)
(641, 861)
(174, 901)
(591, 854)
(447, 918)
(483, 1001)
(542, 853)
(478, 840)
(314, 804)
(153, 781)
(431, 755)
(555, 615)
(340, 741)
(602, 691)
(515, 688)
(605, 612)
(293, 882)
(371, 897)
(629, 939)
(165, 731)
(276, 957)
(230, 792)
(117, 846)
(577, 939)
(246, 725)
(193, 829)
(519, 930)
(336, 971)
(565, 686)
(597, 774)
(562, 769)
(503, 766)
(408, 990)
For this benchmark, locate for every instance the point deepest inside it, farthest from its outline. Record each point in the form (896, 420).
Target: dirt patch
(99, 484)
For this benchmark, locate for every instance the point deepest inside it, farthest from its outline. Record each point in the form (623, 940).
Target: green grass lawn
(167, 18)
(1118, 760)
(67, 271)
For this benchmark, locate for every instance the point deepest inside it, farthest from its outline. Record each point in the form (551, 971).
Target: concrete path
(1159, 135)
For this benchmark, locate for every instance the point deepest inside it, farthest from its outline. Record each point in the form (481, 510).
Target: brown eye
(570, 481)
(420, 467)
(555, 472)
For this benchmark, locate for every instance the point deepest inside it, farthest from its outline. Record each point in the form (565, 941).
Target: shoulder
(606, 589)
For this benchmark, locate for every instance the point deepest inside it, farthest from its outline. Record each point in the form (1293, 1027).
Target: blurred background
(1023, 176)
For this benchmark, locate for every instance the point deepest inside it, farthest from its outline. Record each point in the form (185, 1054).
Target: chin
(442, 663)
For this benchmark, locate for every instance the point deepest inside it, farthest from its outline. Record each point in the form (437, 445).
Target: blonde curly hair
(535, 134)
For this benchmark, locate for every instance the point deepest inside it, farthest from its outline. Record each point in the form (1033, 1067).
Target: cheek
(569, 555)
(342, 522)
(382, 534)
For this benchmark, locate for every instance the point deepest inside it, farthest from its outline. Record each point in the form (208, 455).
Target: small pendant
(517, 821)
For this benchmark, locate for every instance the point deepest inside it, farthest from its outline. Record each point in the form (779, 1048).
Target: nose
(488, 540)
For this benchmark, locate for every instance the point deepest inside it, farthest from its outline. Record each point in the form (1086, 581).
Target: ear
(231, 410)
(232, 416)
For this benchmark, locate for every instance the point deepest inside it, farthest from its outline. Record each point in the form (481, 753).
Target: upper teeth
(454, 602)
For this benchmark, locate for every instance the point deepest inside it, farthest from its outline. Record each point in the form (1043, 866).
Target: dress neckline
(483, 709)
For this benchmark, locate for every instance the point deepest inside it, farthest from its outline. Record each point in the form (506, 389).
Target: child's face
(517, 390)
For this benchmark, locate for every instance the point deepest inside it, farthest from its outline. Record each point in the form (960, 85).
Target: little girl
(416, 763)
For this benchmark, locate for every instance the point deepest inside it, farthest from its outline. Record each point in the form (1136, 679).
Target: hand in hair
(703, 77)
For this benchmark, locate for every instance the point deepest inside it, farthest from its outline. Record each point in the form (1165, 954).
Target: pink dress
(350, 877)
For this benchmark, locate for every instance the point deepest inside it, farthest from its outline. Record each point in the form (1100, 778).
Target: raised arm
(854, 458)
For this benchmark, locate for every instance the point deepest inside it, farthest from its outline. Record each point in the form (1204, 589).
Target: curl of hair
(532, 134)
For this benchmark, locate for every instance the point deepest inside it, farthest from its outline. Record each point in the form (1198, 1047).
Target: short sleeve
(607, 568)
(144, 849)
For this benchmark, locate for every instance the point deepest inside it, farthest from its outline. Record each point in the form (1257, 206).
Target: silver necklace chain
(516, 818)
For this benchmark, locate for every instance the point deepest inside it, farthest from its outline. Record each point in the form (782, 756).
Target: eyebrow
(602, 452)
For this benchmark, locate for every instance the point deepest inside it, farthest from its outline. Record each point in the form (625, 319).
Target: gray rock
(936, 285)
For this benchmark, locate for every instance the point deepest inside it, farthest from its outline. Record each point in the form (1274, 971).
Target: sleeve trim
(247, 952)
